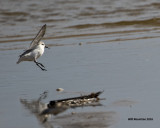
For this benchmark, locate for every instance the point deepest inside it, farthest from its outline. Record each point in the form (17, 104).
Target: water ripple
(78, 19)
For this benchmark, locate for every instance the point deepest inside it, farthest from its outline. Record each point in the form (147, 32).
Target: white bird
(36, 49)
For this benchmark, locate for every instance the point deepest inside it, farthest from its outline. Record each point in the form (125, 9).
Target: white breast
(38, 51)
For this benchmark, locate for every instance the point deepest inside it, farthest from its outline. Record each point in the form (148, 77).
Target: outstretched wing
(27, 51)
(38, 37)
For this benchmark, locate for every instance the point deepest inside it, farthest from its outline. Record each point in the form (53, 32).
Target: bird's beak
(46, 47)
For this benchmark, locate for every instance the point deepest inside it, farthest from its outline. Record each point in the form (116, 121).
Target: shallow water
(95, 45)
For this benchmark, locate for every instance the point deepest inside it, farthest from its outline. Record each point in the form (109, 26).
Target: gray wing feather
(38, 37)
(26, 52)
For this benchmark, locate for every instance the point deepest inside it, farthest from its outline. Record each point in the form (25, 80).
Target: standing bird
(36, 49)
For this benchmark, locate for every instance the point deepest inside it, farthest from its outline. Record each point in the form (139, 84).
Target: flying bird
(35, 50)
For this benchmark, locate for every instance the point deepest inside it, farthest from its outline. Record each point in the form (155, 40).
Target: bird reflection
(44, 111)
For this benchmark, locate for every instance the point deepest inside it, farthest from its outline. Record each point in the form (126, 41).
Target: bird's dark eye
(42, 44)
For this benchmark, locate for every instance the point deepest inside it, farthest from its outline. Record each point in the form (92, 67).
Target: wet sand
(88, 119)
(126, 71)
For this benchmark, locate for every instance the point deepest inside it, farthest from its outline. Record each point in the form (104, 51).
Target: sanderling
(36, 49)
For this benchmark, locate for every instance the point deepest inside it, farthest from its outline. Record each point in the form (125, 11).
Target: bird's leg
(41, 66)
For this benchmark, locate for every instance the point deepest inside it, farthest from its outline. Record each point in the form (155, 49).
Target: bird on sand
(35, 50)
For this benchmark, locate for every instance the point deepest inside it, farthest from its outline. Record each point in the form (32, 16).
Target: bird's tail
(18, 61)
